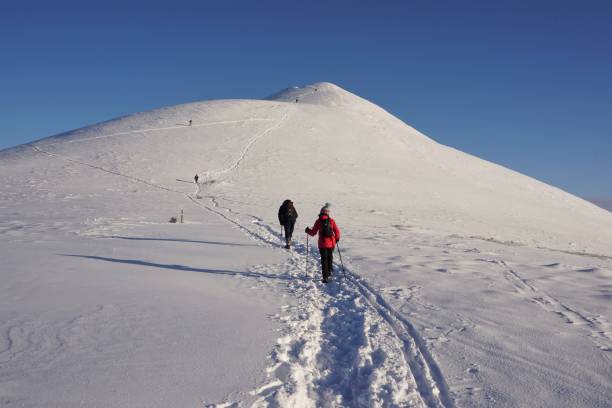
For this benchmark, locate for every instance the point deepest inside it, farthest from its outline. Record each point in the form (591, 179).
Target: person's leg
(323, 253)
(287, 234)
(329, 259)
(326, 262)
(290, 232)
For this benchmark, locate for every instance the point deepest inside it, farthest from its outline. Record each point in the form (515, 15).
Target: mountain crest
(321, 93)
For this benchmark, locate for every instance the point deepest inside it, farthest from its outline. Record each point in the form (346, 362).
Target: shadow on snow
(182, 268)
(180, 240)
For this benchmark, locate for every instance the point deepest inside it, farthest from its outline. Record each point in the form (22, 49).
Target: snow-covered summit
(333, 146)
(331, 96)
(320, 93)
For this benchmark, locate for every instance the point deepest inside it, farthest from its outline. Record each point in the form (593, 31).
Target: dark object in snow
(327, 262)
(341, 263)
(189, 122)
(173, 220)
(287, 214)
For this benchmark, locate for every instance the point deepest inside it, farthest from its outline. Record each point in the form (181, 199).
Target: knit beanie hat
(325, 209)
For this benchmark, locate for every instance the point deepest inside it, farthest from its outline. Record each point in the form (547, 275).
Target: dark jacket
(287, 213)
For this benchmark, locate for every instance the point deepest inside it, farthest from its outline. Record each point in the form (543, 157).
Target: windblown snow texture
(467, 284)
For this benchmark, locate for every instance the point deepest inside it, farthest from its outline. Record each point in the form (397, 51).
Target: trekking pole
(341, 263)
(307, 246)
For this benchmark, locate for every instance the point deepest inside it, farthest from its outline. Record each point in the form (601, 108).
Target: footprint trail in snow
(343, 345)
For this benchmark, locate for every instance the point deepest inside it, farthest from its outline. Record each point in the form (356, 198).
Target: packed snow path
(345, 346)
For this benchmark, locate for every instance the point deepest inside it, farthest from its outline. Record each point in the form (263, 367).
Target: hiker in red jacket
(329, 235)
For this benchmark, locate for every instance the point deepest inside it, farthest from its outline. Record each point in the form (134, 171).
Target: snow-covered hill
(333, 145)
(468, 284)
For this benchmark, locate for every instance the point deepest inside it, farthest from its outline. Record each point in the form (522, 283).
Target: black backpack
(326, 228)
(289, 213)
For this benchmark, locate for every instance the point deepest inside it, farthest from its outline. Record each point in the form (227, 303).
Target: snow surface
(467, 284)
(604, 203)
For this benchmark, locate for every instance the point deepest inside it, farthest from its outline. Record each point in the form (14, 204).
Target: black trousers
(288, 231)
(327, 261)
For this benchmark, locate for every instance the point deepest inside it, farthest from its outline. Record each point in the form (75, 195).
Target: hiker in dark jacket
(329, 236)
(287, 215)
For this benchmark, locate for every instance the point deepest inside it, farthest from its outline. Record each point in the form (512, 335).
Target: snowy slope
(467, 284)
(606, 204)
(349, 149)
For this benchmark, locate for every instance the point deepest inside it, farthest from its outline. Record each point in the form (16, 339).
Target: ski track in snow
(344, 345)
(596, 327)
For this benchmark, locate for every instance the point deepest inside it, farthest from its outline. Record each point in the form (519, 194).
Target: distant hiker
(189, 122)
(287, 215)
(198, 186)
(329, 235)
(296, 100)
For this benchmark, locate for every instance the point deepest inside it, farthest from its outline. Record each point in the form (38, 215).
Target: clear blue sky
(527, 84)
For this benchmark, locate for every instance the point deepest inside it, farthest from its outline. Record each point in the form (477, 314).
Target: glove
(307, 230)
(337, 240)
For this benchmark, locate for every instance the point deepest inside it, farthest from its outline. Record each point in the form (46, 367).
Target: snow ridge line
(221, 122)
(599, 330)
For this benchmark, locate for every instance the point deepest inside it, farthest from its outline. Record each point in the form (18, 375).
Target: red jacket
(325, 242)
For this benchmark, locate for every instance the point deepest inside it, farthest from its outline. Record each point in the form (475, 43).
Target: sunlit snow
(467, 284)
